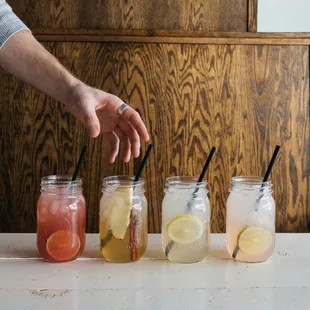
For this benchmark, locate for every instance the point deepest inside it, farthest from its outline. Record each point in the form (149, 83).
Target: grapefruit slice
(63, 245)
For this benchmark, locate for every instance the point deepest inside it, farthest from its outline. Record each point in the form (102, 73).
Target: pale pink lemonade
(250, 220)
(233, 229)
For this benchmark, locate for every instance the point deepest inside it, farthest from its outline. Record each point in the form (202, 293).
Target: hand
(98, 111)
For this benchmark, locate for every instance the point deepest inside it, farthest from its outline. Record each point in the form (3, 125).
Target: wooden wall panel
(242, 99)
(209, 15)
(252, 15)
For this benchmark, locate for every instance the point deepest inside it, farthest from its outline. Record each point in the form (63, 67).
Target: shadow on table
(218, 253)
(93, 252)
(23, 253)
(151, 253)
(156, 252)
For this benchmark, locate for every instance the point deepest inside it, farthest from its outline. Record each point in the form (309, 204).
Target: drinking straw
(271, 163)
(79, 164)
(202, 175)
(77, 168)
(274, 156)
(146, 156)
(194, 194)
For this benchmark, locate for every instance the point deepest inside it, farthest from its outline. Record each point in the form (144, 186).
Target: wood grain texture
(277, 112)
(242, 99)
(252, 15)
(172, 36)
(209, 15)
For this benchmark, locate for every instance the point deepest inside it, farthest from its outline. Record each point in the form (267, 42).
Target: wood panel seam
(177, 37)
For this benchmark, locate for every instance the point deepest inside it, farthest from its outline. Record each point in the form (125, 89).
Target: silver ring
(122, 108)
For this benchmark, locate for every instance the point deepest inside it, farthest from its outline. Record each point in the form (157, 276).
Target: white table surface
(218, 282)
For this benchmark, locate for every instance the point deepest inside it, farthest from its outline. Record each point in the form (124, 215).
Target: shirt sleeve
(9, 23)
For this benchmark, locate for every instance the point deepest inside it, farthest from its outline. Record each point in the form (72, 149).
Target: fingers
(130, 115)
(126, 144)
(114, 139)
(114, 145)
(133, 136)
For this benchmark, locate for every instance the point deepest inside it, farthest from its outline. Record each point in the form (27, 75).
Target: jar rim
(185, 184)
(60, 180)
(122, 180)
(250, 183)
(185, 180)
(250, 180)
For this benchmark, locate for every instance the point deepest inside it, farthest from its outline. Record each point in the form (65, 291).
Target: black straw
(143, 163)
(274, 156)
(79, 164)
(205, 168)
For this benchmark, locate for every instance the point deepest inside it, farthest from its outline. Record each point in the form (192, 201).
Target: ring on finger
(122, 108)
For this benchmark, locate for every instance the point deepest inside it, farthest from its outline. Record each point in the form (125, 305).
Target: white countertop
(27, 282)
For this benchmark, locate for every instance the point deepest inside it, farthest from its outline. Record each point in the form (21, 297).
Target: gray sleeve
(9, 23)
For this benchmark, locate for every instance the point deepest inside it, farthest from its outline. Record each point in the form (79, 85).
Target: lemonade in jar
(250, 219)
(123, 219)
(185, 220)
(61, 219)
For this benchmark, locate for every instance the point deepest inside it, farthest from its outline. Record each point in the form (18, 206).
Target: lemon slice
(185, 229)
(254, 240)
(119, 206)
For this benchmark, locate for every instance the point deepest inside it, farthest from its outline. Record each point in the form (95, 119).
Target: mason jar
(250, 219)
(61, 218)
(123, 219)
(185, 220)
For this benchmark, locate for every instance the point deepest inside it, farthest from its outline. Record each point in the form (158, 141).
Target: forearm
(24, 57)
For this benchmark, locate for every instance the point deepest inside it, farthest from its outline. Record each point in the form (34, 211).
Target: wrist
(72, 92)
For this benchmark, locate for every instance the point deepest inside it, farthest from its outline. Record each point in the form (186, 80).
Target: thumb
(92, 123)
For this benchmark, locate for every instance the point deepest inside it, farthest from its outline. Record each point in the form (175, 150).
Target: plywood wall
(209, 15)
(242, 99)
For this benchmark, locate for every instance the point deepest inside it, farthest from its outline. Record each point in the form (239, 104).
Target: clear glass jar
(185, 220)
(61, 219)
(123, 219)
(250, 219)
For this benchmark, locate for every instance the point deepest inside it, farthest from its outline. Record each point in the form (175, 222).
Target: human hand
(98, 111)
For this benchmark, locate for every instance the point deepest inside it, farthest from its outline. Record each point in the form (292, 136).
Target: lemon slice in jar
(185, 229)
(119, 206)
(254, 240)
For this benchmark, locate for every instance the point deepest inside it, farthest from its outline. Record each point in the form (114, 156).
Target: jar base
(251, 262)
(121, 261)
(184, 262)
(59, 261)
